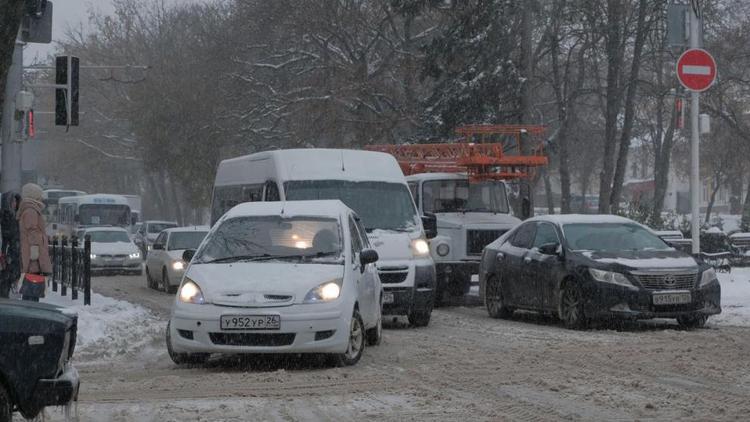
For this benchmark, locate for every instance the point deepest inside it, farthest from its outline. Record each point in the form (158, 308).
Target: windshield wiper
(240, 258)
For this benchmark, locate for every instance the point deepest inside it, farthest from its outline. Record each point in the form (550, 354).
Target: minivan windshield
(257, 238)
(611, 237)
(380, 205)
(461, 196)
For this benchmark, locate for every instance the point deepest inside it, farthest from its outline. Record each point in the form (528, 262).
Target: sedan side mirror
(368, 256)
(429, 222)
(550, 249)
(157, 246)
(188, 255)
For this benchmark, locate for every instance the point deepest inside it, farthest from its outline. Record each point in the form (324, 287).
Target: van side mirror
(550, 249)
(429, 222)
(188, 255)
(368, 256)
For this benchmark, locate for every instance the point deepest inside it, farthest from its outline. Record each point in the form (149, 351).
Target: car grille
(743, 242)
(393, 277)
(113, 256)
(663, 281)
(252, 339)
(476, 240)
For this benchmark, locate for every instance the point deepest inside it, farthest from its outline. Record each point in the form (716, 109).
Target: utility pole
(10, 178)
(695, 188)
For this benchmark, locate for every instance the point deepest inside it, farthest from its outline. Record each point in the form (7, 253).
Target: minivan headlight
(191, 293)
(420, 247)
(610, 277)
(325, 292)
(708, 277)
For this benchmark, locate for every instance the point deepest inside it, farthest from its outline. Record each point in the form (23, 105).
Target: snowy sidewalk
(735, 298)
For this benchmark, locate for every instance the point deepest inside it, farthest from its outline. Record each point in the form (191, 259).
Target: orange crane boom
(481, 160)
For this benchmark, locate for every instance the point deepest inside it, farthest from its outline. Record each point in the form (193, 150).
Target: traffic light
(66, 99)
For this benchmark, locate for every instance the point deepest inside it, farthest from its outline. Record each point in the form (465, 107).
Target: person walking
(11, 270)
(35, 260)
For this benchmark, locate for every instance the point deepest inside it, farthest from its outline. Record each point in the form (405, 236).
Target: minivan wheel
(571, 307)
(184, 358)
(493, 300)
(6, 406)
(692, 321)
(356, 345)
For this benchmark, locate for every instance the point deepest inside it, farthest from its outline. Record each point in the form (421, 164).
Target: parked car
(112, 251)
(279, 277)
(147, 233)
(37, 341)
(584, 267)
(164, 265)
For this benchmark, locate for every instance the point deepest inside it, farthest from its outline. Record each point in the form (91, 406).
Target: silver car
(164, 264)
(112, 251)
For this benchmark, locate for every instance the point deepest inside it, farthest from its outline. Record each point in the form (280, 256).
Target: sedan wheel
(356, 344)
(571, 307)
(493, 300)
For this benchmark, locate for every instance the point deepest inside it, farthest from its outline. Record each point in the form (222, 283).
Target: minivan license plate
(250, 322)
(672, 298)
(387, 297)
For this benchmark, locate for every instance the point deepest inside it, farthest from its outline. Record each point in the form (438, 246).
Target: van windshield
(380, 205)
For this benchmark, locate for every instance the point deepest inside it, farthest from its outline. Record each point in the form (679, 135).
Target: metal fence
(71, 267)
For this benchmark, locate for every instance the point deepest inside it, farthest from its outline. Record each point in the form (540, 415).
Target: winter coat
(33, 233)
(10, 235)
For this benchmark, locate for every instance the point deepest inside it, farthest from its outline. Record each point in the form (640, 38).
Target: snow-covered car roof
(104, 229)
(740, 236)
(582, 219)
(158, 222)
(323, 208)
(188, 229)
(669, 233)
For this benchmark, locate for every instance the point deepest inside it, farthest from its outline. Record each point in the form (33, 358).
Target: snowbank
(735, 298)
(109, 327)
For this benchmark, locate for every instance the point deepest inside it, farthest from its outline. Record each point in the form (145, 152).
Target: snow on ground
(735, 298)
(109, 328)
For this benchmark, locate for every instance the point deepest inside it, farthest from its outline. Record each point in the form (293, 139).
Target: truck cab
(470, 215)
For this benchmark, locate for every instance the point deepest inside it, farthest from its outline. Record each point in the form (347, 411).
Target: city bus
(76, 212)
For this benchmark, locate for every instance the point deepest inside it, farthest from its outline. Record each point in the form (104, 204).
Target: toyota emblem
(670, 280)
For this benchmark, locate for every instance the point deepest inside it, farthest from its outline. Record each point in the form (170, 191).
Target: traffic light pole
(695, 188)
(10, 174)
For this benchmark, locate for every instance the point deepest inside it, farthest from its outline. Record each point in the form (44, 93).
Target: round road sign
(696, 69)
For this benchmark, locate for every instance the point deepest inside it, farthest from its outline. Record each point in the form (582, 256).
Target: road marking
(696, 70)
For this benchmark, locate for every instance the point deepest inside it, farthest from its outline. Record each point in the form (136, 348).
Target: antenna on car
(343, 168)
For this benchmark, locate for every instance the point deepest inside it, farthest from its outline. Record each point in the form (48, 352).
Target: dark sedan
(586, 267)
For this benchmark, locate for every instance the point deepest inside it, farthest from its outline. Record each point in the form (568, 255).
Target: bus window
(226, 197)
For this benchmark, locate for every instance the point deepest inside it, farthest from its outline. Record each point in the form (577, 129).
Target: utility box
(24, 101)
(704, 124)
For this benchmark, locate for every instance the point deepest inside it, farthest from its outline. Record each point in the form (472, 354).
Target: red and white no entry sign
(696, 69)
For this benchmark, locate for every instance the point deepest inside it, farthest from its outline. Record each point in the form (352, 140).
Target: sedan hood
(476, 220)
(644, 260)
(259, 284)
(116, 248)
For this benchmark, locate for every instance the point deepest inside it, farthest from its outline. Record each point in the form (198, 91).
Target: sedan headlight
(191, 293)
(420, 247)
(93, 256)
(178, 265)
(326, 292)
(135, 255)
(443, 249)
(708, 277)
(610, 277)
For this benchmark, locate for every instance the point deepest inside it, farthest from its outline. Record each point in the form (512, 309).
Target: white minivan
(370, 183)
(281, 277)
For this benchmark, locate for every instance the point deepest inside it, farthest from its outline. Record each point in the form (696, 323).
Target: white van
(371, 184)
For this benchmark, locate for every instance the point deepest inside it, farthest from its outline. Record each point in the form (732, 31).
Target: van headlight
(443, 249)
(707, 277)
(191, 293)
(420, 247)
(325, 292)
(610, 277)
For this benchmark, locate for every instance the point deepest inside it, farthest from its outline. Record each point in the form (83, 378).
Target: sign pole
(695, 22)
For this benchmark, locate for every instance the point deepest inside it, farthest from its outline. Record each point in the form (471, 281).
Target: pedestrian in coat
(35, 260)
(11, 270)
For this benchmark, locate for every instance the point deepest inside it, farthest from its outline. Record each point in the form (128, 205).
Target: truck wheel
(441, 285)
(460, 285)
(6, 406)
(419, 318)
(356, 344)
(184, 358)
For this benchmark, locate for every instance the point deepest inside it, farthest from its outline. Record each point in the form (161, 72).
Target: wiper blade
(240, 258)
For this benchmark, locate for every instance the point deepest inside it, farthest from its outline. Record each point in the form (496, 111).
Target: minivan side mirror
(188, 255)
(550, 249)
(429, 222)
(368, 256)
